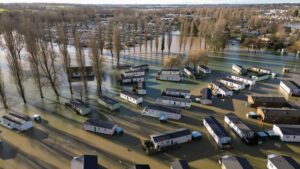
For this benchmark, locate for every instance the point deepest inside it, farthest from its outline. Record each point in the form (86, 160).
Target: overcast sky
(153, 1)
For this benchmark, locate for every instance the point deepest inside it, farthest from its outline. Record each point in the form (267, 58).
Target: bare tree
(171, 61)
(3, 97)
(97, 61)
(32, 49)
(162, 43)
(117, 43)
(156, 36)
(192, 34)
(197, 57)
(63, 48)
(14, 63)
(19, 43)
(169, 37)
(100, 38)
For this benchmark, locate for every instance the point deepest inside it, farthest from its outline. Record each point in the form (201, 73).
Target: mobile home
(99, 126)
(131, 79)
(234, 162)
(174, 101)
(158, 111)
(240, 128)
(109, 103)
(177, 93)
(267, 101)
(16, 121)
(260, 76)
(238, 69)
(85, 162)
(231, 83)
(131, 97)
(140, 88)
(287, 132)
(130, 73)
(281, 162)
(244, 79)
(206, 96)
(282, 115)
(144, 67)
(220, 89)
(217, 132)
(79, 107)
(173, 75)
(260, 70)
(290, 87)
(204, 69)
(171, 138)
(189, 72)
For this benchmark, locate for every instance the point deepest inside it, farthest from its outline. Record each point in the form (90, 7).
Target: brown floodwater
(54, 142)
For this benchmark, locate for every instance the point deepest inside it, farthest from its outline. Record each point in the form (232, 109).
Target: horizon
(152, 2)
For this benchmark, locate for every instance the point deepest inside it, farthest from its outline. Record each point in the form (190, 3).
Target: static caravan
(173, 75)
(131, 97)
(217, 132)
(206, 96)
(267, 101)
(231, 83)
(282, 115)
(260, 76)
(99, 126)
(247, 81)
(290, 87)
(144, 67)
(79, 107)
(240, 128)
(180, 164)
(171, 138)
(130, 73)
(16, 121)
(238, 69)
(287, 133)
(281, 162)
(177, 93)
(190, 72)
(174, 101)
(235, 162)
(158, 111)
(260, 70)
(140, 88)
(132, 79)
(85, 162)
(220, 89)
(203, 69)
(109, 103)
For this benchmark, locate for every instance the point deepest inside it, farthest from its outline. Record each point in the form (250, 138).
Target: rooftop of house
(16, 118)
(234, 162)
(140, 166)
(130, 94)
(238, 122)
(177, 90)
(108, 100)
(99, 123)
(164, 108)
(283, 162)
(85, 162)
(279, 111)
(288, 129)
(216, 127)
(174, 99)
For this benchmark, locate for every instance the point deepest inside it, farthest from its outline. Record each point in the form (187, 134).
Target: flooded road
(53, 143)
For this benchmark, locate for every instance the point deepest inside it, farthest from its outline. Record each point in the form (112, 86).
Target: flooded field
(53, 143)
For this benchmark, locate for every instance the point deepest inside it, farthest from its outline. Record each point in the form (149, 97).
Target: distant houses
(281, 162)
(85, 162)
(177, 93)
(109, 103)
(180, 164)
(287, 133)
(131, 79)
(144, 67)
(282, 115)
(175, 137)
(131, 97)
(240, 128)
(159, 111)
(234, 162)
(260, 70)
(217, 131)
(16, 121)
(174, 101)
(99, 126)
(267, 101)
(290, 87)
(130, 73)
(78, 106)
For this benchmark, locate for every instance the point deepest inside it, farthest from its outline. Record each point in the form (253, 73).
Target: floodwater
(53, 143)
